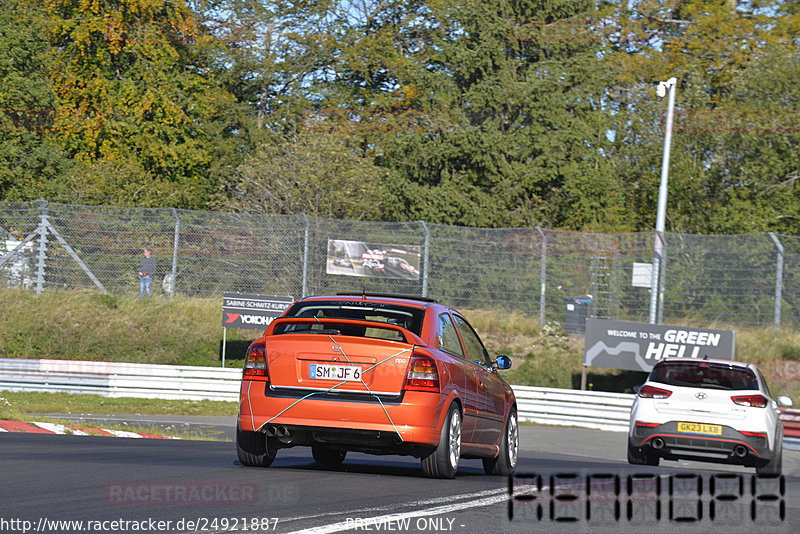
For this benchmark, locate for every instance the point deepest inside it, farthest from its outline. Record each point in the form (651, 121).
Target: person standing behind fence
(147, 270)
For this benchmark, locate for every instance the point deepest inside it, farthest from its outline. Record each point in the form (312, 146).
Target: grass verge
(87, 325)
(16, 405)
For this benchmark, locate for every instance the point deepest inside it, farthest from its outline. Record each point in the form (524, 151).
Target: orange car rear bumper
(417, 419)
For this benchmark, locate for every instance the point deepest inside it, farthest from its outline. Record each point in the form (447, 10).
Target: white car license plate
(698, 428)
(349, 373)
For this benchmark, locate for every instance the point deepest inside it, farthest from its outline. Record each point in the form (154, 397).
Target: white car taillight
(650, 392)
(754, 401)
(642, 424)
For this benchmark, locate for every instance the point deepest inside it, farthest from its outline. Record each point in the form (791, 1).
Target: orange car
(376, 374)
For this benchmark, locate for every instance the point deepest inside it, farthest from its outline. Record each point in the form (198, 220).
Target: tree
(31, 164)
(137, 98)
(757, 164)
(315, 173)
(524, 84)
(729, 171)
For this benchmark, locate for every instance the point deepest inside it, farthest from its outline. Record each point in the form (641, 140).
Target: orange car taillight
(423, 374)
(256, 362)
(649, 392)
(754, 401)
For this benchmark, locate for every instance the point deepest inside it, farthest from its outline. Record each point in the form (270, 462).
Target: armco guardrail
(791, 423)
(121, 379)
(588, 409)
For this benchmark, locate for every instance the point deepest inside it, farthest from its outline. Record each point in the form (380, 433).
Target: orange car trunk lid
(344, 363)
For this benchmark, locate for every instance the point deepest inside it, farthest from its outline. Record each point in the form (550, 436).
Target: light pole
(661, 215)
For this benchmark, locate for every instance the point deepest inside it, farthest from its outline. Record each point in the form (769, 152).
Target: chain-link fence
(740, 279)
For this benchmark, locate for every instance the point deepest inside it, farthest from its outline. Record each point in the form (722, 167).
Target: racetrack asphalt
(572, 441)
(47, 477)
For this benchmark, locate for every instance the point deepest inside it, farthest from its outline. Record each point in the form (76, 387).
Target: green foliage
(136, 98)
(315, 173)
(731, 166)
(486, 114)
(524, 138)
(31, 164)
(789, 352)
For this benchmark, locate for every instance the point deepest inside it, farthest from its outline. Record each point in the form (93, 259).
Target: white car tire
(775, 464)
(642, 457)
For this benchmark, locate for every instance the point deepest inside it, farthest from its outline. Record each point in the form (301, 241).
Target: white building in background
(18, 271)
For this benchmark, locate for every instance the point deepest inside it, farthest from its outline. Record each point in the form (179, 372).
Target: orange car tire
(443, 462)
(506, 460)
(254, 449)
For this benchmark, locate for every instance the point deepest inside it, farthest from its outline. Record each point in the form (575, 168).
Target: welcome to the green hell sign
(639, 346)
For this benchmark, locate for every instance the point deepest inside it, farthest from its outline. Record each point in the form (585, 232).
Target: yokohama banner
(252, 312)
(639, 346)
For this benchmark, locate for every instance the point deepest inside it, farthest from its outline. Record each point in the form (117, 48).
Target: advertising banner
(252, 312)
(358, 258)
(639, 346)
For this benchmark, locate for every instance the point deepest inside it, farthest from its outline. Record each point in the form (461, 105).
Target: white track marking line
(386, 519)
(389, 507)
(123, 433)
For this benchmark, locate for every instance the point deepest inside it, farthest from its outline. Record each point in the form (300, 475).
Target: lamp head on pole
(661, 90)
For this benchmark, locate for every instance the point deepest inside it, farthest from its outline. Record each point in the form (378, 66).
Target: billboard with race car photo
(359, 258)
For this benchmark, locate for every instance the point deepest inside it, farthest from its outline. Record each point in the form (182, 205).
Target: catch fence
(751, 279)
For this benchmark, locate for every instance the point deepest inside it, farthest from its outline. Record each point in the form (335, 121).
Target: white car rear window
(704, 375)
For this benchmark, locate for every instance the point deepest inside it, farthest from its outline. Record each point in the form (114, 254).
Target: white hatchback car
(708, 410)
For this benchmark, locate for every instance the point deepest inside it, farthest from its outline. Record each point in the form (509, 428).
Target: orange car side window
(448, 337)
(475, 350)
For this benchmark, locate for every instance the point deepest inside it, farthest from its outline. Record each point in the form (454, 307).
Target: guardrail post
(175, 253)
(40, 268)
(425, 259)
(543, 282)
(778, 280)
(305, 256)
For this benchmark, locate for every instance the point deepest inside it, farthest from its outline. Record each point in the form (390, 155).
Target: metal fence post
(175, 253)
(543, 283)
(305, 257)
(778, 280)
(43, 224)
(425, 259)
